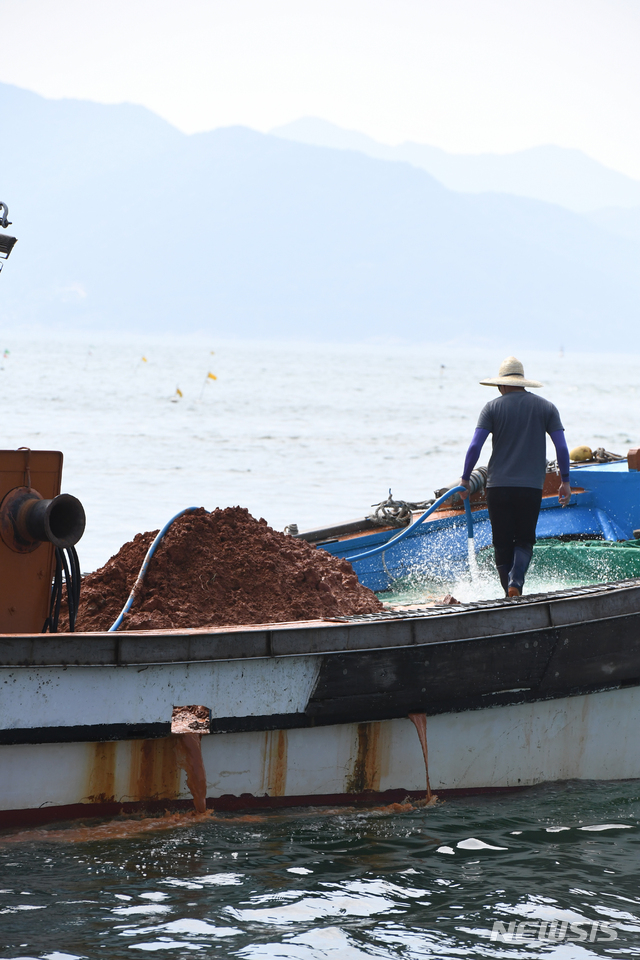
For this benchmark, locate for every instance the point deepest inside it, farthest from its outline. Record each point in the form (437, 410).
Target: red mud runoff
(221, 569)
(119, 828)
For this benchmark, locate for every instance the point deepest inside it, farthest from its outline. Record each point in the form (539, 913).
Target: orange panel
(25, 578)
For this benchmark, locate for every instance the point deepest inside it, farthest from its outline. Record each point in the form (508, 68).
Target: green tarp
(586, 561)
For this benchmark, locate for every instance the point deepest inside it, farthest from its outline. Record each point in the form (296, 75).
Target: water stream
(474, 571)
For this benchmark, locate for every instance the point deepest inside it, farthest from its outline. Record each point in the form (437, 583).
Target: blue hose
(408, 530)
(143, 569)
(469, 518)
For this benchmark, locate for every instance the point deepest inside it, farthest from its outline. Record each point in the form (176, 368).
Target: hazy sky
(466, 75)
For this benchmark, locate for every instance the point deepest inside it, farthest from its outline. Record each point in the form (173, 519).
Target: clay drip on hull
(190, 759)
(419, 720)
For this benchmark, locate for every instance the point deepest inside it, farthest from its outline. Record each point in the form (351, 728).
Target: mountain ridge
(561, 175)
(238, 234)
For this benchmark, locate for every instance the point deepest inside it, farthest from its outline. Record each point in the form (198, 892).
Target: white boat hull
(499, 747)
(516, 693)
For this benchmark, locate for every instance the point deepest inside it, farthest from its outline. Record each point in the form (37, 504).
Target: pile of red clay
(221, 568)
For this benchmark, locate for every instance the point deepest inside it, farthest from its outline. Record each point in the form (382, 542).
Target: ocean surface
(339, 884)
(307, 434)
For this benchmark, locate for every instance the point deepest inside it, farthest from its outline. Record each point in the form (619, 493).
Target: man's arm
(562, 453)
(471, 458)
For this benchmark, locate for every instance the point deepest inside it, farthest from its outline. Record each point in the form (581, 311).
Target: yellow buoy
(579, 454)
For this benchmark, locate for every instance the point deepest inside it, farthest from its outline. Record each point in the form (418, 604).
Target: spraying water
(471, 546)
(473, 562)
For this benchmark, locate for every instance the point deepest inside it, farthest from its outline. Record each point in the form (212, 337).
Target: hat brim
(510, 382)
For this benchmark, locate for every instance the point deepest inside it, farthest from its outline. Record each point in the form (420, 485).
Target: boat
(511, 692)
(605, 504)
(376, 708)
(514, 693)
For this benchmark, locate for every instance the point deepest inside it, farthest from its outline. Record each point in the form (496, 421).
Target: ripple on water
(304, 884)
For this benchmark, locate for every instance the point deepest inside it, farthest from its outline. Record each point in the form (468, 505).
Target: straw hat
(510, 374)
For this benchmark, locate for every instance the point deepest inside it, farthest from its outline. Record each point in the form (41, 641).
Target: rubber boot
(503, 573)
(521, 561)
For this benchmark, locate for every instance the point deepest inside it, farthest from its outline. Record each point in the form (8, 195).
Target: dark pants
(513, 512)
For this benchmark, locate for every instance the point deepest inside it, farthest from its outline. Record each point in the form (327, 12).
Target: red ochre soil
(221, 568)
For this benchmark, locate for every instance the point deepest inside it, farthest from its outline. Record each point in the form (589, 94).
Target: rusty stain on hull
(102, 773)
(275, 762)
(153, 770)
(367, 767)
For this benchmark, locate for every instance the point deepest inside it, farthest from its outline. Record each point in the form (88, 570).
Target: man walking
(519, 422)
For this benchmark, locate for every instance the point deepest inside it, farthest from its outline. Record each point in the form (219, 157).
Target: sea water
(341, 884)
(297, 433)
(308, 434)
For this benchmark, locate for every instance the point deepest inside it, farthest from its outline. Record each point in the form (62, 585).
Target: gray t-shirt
(519, 422)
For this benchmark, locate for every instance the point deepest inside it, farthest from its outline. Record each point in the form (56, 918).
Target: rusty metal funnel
(27, 519)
